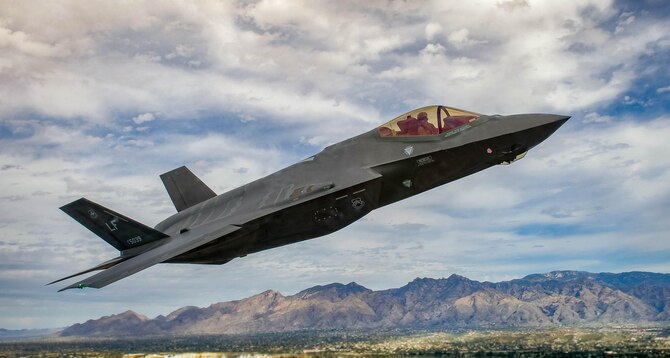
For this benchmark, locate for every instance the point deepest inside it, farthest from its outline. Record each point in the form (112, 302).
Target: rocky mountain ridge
(559, 298)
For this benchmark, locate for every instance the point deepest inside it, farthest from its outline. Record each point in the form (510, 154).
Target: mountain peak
(174, 314)
(457, 277)
(422, 280)
(267, 295)
(426, 281)
(558, 275)
(127, 315)
(124, 323)
(131, 313)
(333, 290)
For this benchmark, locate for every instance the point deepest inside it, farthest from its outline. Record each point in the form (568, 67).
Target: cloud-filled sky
(99, 98)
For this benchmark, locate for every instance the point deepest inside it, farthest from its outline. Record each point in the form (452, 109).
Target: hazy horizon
(565, 276)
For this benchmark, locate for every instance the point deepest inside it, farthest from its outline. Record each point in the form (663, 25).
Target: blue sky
(97, 99)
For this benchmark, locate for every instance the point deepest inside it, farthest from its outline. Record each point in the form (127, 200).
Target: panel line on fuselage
(265, 199)
(212, 211)
(280, 194)
(193, 221)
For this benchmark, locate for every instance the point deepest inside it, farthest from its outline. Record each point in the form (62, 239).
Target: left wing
(102, 266)
(173, 246)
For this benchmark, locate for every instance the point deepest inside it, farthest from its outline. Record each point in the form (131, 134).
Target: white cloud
(432, 50)
(511, 5)
(21, 42)
(625, 20)
(432, 30)
(247, 59)
(143, 118)
(461, 38)
(594, 117)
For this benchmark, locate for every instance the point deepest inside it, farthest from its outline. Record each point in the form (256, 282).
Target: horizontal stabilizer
(119, 231)
(185, 189)
(173, 246)
(105, 265)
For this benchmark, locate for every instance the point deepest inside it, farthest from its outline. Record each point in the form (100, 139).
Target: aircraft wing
(173, 246)
(102, 266)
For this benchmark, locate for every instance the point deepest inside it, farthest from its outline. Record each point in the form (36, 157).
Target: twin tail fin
(185, 189)
(124, 233)
(118, 230)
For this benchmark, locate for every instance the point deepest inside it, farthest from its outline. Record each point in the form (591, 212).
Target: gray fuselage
(347, 180)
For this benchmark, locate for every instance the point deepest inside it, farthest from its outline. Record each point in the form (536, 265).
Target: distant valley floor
(619, 341)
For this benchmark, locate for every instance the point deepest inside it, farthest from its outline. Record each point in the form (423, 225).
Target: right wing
(173, 246)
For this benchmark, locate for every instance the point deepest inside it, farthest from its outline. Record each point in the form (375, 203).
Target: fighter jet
(412, 153)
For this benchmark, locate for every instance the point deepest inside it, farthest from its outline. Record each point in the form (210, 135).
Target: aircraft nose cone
(527, 121)
(559, 118)
(534, 127)
(543, 119)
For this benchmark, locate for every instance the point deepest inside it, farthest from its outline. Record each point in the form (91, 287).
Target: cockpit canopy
(427, 121)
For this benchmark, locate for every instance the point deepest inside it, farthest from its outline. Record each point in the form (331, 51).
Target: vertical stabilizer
(185, 189)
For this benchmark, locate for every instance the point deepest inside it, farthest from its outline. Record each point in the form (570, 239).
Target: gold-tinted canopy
(427, 121)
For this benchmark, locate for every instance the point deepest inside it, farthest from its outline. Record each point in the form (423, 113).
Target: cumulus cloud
(594, 117)
(461, 38)
(432, 30)
(143, 118)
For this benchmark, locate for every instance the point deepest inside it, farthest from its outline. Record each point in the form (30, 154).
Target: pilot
(423, 126)
(386, 132)
(407, 125)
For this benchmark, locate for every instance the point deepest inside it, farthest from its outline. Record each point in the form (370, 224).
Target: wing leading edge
(173, 246)
(102, 266)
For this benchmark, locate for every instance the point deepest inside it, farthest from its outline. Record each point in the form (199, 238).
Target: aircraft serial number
(134, 240)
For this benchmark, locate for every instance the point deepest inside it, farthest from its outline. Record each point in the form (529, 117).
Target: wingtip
(66, 288)
(59, 280)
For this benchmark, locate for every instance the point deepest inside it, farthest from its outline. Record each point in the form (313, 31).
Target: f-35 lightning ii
(410, 154)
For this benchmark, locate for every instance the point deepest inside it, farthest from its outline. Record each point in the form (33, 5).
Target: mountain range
(559, 298)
